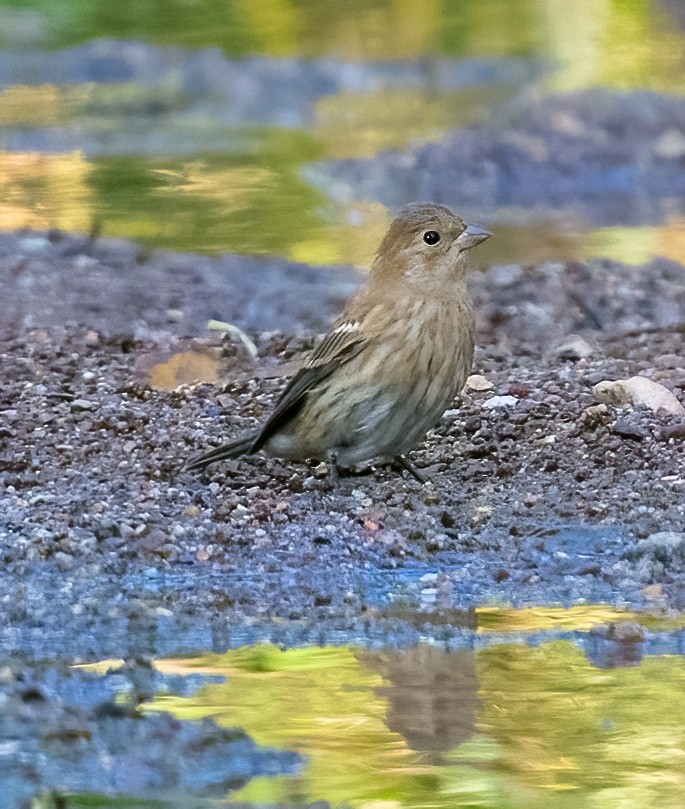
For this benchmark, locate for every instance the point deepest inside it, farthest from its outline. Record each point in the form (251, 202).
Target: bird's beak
(473, 235)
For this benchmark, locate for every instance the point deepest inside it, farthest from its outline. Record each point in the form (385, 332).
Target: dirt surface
(537, 493)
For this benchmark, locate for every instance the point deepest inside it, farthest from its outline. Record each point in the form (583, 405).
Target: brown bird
(391, 364)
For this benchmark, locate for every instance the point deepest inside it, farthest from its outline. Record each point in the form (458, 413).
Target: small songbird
(391, 364)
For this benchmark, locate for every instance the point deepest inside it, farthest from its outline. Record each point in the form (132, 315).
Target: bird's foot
(403, 465)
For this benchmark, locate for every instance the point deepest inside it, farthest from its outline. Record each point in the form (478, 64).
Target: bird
(392, 362)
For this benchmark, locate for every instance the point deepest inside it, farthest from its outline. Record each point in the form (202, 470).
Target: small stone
(627, 429)
(638, 391)
(675, 431)
(82, 405)
(500, 401)
(152, 542)
(34, 244)
(320, 470)
(575, 348)
(653, 591)
(671, 144)
(64, 561)
(88, 376)
(214, 487)
(595, 416)
(660, 555)
(478, 382)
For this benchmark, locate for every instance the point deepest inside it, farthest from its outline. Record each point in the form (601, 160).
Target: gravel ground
(538, 493)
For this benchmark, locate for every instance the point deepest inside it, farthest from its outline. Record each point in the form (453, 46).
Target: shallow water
(166, 141)
(538, 708)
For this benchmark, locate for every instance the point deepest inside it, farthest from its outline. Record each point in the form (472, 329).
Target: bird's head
(426, 244)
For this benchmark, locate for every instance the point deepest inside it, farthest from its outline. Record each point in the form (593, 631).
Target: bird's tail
(239, 446)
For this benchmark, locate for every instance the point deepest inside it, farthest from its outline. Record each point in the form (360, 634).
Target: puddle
(160, 141)
(544, 707)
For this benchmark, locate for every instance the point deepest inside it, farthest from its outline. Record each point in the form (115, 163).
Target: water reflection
(190, 151)
(432, 697)
(587, 721)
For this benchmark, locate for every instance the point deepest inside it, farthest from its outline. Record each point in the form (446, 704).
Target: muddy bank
(176, 87)
(539, 493)
(604, 157)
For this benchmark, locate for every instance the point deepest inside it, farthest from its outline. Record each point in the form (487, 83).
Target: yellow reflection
(353, 243)
(501, 727)
(363, 124)
(102, 666)
(320, 701)
(396, 29)
(560, 725)
(533, 619)
(639, 245)
(44, 191)
(535, 242)
(623, 44)
(231, 188)
(22, 105)
(274, 25)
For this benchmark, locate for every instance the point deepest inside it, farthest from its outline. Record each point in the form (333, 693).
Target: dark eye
(431, 237)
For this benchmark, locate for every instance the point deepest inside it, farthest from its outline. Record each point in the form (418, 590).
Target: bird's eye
(431, 237)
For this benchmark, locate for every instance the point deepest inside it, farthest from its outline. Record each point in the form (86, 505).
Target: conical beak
(473, 235)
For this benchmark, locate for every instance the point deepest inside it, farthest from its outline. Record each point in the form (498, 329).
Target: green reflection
(503, 727)
(624, 43)
(252, 196)
(252, 200)
(582, 736)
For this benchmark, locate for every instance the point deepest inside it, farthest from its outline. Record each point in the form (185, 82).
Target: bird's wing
(342, 342)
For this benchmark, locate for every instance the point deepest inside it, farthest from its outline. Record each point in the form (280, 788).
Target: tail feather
(239, 446)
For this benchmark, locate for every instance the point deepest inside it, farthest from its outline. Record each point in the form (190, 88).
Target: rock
(499, 401)
(595, 416)
(82, 406)
(478, 383)
(638, 391)
(628, 429)
(675, 431)
(671, 145)
(575, 348)
(660, 554)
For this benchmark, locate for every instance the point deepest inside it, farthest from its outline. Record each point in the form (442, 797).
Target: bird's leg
(333, 471)
(399, 461)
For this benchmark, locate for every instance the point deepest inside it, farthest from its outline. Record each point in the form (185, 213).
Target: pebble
(576, 348)
(478, 382)
(675, 431)
(627, 429)
(82, 405)
(499, 401)
(638, 391)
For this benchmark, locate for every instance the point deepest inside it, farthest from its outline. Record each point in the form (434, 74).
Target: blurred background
(293, 127)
